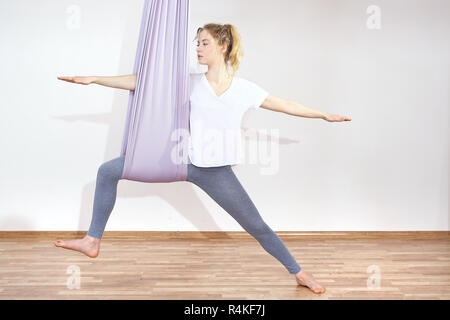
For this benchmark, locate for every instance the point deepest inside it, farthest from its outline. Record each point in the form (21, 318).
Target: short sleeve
(255, 94)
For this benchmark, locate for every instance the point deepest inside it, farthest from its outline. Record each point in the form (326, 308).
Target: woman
(227, 97)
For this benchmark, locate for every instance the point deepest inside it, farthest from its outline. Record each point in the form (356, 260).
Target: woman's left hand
(335, 118)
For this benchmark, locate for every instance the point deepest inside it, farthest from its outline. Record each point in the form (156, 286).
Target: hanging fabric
(155, 140)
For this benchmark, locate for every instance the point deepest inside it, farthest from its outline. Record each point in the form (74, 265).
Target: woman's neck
(218, 75)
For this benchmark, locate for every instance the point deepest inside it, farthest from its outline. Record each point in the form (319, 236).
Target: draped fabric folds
(155, 140)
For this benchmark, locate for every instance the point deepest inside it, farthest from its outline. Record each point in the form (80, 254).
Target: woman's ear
(224, 48)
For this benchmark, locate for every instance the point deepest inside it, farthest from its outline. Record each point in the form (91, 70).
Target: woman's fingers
(69, 79)
(336, 118)
(342, 118)
(79, 80)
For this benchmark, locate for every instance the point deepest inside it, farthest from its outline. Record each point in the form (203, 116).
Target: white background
(386, 170)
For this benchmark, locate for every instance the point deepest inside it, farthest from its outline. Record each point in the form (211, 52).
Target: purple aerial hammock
(155, 139)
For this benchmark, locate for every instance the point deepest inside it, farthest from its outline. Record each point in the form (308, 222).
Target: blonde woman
(218, 101)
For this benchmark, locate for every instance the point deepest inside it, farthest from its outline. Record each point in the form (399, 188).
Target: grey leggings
(220, 183)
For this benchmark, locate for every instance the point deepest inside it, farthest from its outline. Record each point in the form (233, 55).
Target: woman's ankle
(92, 239)
(300, 273)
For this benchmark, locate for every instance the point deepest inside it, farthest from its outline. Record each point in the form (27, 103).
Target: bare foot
(88, 245)
(306, 280)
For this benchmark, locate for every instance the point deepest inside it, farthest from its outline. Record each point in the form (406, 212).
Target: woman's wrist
(323, 116)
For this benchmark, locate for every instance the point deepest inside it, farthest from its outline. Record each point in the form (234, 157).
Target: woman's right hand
(79, 80)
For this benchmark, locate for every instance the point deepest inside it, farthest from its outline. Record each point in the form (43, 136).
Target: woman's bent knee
(112, 169)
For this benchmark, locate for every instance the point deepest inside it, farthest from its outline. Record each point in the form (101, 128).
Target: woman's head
(219, 44)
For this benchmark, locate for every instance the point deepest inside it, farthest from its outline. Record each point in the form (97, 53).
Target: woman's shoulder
(249, 84)
(194, 80)
(194, 77)
(245, 82)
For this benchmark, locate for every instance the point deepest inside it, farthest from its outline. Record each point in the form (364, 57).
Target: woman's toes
(321, 290)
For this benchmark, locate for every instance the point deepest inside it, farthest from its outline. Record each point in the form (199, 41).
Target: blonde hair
(226, 34)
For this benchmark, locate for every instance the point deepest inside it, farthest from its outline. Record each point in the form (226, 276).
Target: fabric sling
(155, 139)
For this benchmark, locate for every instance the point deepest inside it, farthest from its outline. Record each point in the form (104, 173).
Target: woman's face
(208, 52)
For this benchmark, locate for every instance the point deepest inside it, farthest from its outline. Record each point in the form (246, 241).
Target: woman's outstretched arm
(127, 82)
(294, 108)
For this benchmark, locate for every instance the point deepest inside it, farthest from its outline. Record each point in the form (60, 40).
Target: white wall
(387, 169)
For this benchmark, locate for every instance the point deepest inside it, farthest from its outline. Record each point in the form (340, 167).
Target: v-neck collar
(211, 88)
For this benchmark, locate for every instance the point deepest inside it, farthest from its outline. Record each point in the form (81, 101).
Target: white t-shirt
(215, 121)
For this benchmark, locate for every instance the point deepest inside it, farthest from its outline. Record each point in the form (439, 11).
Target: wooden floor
(225, 265)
